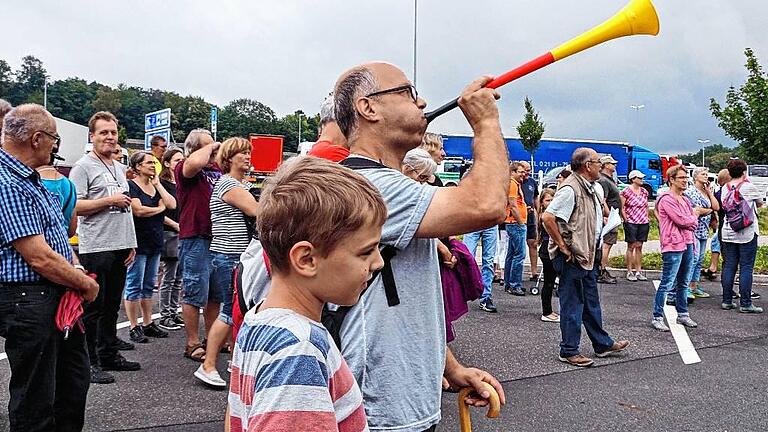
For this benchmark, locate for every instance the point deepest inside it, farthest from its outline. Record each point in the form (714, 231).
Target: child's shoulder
(277, 329)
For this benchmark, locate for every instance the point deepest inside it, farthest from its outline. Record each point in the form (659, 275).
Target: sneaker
(727, 306)
(751, 309)
(686, 321)
(632, 277)
(229, 366)
(168, 323)
(553, 318)
(122, 345)
(178, 320)
(641, 276)
(98, 376)
(690, 298)
(137, 335)
(577, 360)
(508, 290)
(211, 378)
(119, 363)
(754, 296)
(700, 293)
(488, 306)
(606, 278)
(152, 330)
(518, 292)
(617, 347)
(658, 324)
(736, 295)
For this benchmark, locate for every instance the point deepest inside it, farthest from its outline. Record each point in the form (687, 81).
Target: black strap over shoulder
(357, 162)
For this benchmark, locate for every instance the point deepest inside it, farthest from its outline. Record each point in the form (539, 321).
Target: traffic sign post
(214, 120)
(157, 123)
(165, 133)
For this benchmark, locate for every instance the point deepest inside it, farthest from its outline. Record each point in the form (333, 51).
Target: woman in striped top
(230, 204)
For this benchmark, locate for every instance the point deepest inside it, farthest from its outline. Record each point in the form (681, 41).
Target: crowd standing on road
(355, 238)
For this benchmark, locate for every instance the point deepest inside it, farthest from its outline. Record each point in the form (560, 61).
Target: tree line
(75, 99)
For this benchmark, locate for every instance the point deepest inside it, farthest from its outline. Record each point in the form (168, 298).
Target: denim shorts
(141, 277)
(223, 266)
(196, 264)
(714, 246)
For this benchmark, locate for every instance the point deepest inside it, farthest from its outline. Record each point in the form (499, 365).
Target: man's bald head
(23, 121)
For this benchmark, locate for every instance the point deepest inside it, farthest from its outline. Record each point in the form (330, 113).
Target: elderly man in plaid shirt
(49, 375)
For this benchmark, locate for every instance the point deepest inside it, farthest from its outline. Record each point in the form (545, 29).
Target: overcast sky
(287, 54)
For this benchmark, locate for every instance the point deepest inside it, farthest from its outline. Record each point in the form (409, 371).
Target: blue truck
(553, 153)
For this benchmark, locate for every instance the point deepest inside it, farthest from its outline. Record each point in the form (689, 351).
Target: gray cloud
(287, 54)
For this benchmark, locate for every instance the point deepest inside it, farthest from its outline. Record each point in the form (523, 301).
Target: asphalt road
(647, 388)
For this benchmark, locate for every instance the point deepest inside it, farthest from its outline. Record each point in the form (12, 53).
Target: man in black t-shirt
(613, 201)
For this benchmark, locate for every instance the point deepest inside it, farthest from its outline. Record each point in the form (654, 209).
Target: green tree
(745, 115)
(242, 117)
(530, 129)
(716, 156)
(71, 99)
(6, 80)
(107, 99)
(30, 80)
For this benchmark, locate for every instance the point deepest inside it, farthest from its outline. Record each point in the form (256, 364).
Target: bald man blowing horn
(397, 351)
(49, 375)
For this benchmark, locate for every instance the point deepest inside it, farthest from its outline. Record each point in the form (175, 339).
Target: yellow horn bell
(637, 17)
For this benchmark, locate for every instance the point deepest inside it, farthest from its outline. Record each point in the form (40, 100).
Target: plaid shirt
(26, 209)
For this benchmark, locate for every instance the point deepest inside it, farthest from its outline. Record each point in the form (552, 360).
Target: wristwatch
(79, 267)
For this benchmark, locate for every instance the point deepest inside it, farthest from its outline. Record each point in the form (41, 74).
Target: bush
(652, 261)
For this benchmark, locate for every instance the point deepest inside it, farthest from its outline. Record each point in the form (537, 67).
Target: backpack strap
(358, 163)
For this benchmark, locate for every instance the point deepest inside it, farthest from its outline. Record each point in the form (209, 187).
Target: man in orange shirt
(517, 215)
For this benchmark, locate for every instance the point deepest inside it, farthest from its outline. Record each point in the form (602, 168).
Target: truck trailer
(554, 152)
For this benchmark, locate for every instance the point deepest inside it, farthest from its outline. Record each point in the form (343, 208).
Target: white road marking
(121, 325)
(684, 344)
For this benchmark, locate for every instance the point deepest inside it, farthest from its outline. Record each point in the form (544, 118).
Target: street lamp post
(702, 142)
(298, 139)
(638, 108)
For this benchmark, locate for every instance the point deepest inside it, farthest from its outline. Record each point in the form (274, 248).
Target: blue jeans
(513, 264)
(489, 237)
(698, 259)
(141, 277)
(741, 255)
(714, 245)
(579, 304)
(221, 277)
(196, 270)
(676, 267)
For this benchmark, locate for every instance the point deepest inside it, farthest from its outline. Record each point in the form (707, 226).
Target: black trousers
(100, 316)
(549, 279)
(49, 375)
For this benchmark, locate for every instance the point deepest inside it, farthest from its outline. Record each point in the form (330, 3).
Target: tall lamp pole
(415, 16)
(298, 117)
(638, 108)
(702, 142)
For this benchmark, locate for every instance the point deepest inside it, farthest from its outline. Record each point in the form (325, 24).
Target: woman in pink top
(634, 213)
(677, 221)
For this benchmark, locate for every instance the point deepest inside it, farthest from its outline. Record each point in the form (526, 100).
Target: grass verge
(652, 261)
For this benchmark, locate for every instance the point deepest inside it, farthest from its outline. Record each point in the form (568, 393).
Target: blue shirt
(26, 209)
(66, 193)
(530, 191)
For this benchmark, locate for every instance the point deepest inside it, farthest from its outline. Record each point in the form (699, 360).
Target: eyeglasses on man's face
(407, 87)
(56, 137)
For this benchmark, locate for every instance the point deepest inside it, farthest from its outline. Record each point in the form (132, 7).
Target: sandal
(226, 348)
(195, 352)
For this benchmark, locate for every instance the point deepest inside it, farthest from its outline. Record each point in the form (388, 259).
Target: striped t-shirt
(230, 233)
(288, 375)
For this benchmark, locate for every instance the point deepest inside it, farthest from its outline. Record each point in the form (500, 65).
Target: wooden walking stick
(494, 406)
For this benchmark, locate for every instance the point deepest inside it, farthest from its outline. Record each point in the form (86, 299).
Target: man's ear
(366, 109)
(303, 258)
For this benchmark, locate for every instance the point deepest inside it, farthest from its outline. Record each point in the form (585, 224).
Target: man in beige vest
(574, 221)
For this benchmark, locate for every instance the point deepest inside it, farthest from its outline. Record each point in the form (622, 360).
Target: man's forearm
(451, 362)
(87, 207)
(550, 224)
(490, 172)
(56, 269)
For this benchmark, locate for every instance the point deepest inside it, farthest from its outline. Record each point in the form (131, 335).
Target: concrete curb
(761, 279)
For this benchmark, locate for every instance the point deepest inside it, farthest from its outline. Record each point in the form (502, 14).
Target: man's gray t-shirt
(397, 354)
(565, 200)
(109, 229)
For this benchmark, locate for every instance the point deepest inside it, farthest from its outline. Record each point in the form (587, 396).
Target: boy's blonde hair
(229, 148)
(311, 199)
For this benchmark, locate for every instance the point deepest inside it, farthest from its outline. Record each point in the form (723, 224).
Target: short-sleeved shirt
(612, 197)
(563, 203)
(110, 228)
(149, 230)
(193, 200)
(636, 206)
(329, 151)
(699, 200)
(230, 233)
(750, 193)
(530, 191)
(397, 354)
(288, 375)
(158, 165)
(515, 198)
(26, 209)
(65, 191)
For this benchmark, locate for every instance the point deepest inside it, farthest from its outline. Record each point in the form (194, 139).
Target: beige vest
(579, 232)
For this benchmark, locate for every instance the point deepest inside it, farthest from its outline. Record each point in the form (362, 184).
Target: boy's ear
(303, 259)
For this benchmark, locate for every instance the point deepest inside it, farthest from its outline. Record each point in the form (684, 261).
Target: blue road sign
(165, 133)
(214, 120)
(157, 120)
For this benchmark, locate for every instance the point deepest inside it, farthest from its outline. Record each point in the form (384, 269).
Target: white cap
(635, 173)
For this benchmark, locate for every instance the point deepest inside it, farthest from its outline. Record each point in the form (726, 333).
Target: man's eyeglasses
(54, 136)
(407, 87)
(681, 178)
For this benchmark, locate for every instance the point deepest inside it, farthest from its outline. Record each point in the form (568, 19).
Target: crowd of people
(361, 231)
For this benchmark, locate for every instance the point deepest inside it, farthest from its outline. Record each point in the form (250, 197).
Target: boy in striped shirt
(320, 226)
